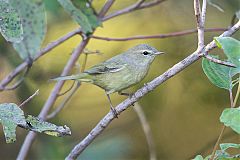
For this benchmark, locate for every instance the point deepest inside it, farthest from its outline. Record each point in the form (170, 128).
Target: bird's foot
(115, 113)
(130, 95)
(126, 94)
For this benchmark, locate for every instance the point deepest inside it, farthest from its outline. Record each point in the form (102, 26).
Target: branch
(147, 130)
(48, 48)
(54, 94)
(62, 105)
(52, 98)
(138, 5)
(105, 8)
(212, 59)
(107, 119)
(200, 23)
(167, 35)
(28, 99)
(54, 44)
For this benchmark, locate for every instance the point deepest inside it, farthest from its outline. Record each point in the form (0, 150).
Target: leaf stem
(29, 98)
(237, 94)
(223, 128)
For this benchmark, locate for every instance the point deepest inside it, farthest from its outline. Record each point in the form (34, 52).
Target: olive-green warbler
(119, 72)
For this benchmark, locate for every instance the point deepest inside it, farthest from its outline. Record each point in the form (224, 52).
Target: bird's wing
(109, 67)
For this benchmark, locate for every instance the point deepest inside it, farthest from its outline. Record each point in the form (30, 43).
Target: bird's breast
(117, 81)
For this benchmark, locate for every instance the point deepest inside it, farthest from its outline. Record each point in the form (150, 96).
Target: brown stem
(48, 48)
(133, 7)
(51, 99)
(223, 128)
(166, 35)
(107, 119)
(28, 99)
(54, 94)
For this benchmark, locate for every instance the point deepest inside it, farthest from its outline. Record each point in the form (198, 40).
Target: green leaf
(82, 12)
(41, 126)
(198, 157)
(231, 48)
(231, 118)
(10, 23)
(225, 146)
(218, 74)
(11, 116)
(33, 18)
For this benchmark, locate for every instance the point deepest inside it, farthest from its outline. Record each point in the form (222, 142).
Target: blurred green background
(183, 113)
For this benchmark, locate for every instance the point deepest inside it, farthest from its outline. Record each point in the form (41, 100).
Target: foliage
(82, 13)
(218, 74)
(231, 118)
(10, 22)
(12, 116)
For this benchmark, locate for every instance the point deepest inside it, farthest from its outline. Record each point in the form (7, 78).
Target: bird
(119, 72)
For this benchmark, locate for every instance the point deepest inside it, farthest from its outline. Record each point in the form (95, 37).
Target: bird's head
(143, 53)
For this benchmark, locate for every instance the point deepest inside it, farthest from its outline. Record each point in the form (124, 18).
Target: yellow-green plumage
(119, 72)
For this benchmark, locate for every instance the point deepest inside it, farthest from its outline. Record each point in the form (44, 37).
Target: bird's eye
(145, 53)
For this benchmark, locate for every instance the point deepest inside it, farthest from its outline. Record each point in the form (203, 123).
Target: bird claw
(115, 113)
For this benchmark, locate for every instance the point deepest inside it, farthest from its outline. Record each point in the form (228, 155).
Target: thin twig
(52, 45)
(207, 145)
(223, 128)
(62, 105)
(237, 95)
(217, 143)
(147, 130)
(28, 99)
(166, 35)
(64, 92)
(133, 7)
(48, 48)
(107, 119)
(53, 97)
(212, 59)
(17, 84)
(105, 8)
(200, 23)
(204, 9)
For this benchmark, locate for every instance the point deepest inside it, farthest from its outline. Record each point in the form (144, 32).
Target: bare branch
(167, 35)
(29, 98)
(105, 8)
(212, 59)
(62, 105)
(200, 23)
(52, 45)
(204, 9)
(138, 5)
(48, 48)
(53, 96)
(64, 92)
(99, 128)
(147, 130)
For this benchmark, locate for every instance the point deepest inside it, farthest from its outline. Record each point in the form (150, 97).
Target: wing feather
(106, 68)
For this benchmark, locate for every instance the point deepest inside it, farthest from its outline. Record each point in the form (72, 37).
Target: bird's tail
(80, 77)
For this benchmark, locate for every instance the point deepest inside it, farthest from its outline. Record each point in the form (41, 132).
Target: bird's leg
(111, 106)
(126, 94)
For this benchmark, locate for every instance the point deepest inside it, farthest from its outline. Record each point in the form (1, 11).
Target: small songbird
(119, 72)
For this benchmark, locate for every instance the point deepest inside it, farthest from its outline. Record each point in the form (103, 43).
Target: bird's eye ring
(145, 53)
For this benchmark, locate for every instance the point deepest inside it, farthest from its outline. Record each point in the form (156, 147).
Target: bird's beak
(158, 53)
